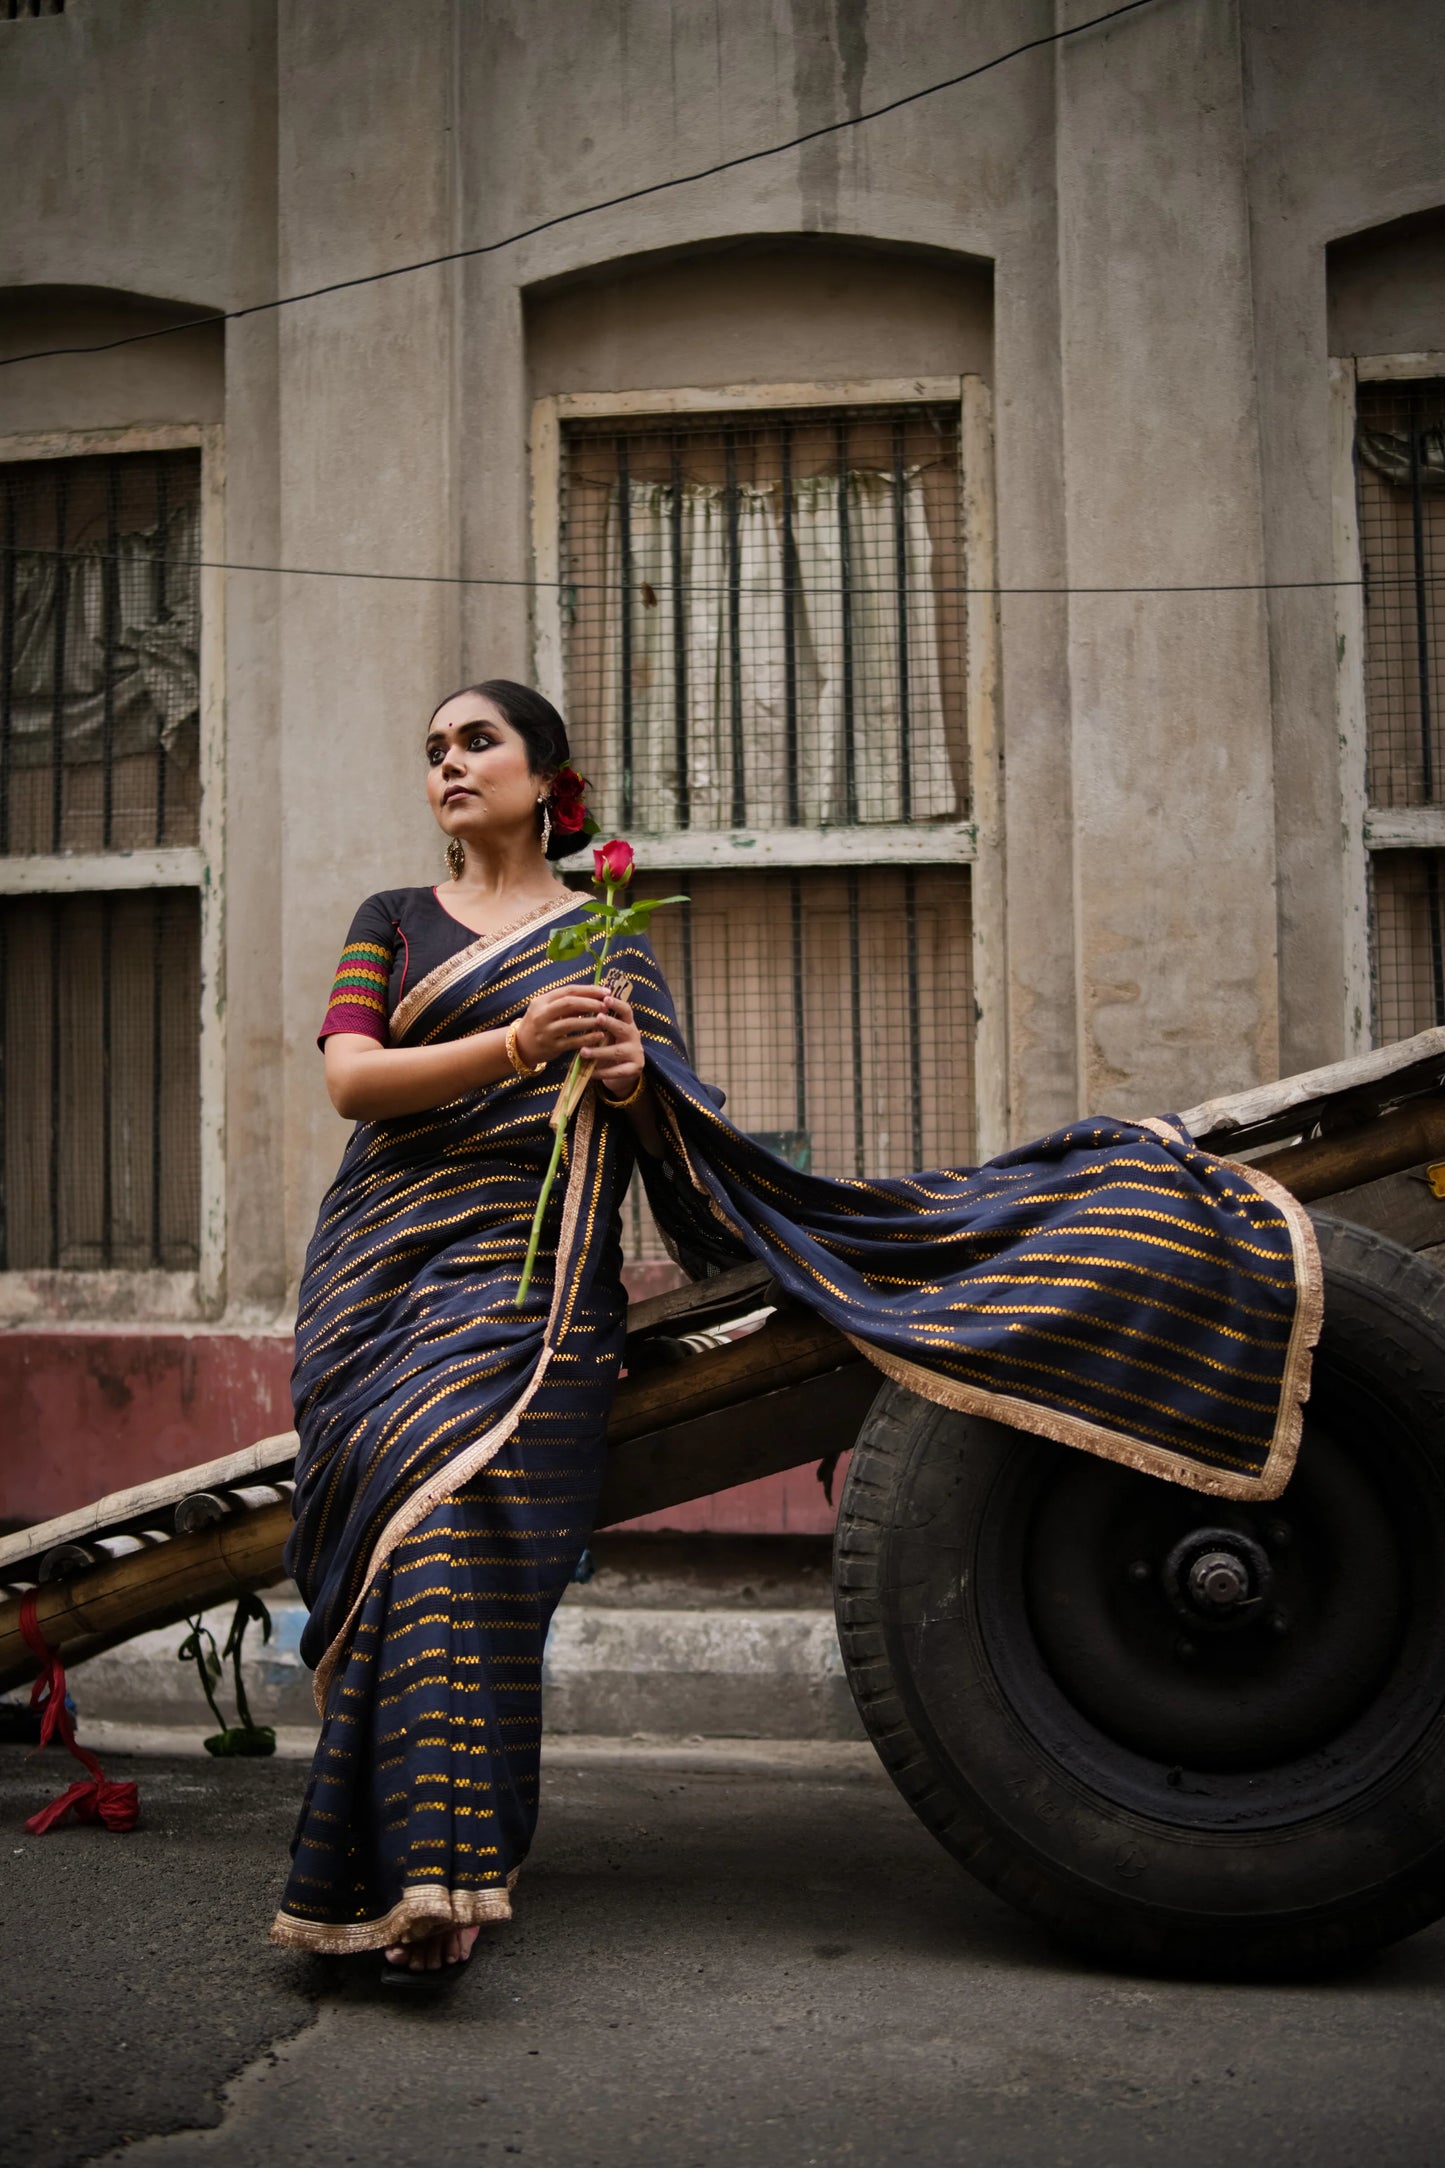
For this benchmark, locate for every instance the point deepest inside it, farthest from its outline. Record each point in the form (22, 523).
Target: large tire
(1253, 1793)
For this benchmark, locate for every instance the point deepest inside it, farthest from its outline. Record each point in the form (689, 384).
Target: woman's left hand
(614, 1051)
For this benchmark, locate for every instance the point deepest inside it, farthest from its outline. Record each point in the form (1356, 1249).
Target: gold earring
(456, 858)
(546, 825)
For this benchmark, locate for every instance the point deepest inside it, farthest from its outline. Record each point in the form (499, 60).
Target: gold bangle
(632, 1096)
(520, 1065)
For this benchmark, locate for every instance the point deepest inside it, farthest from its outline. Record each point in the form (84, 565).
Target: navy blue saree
(1110, 1287)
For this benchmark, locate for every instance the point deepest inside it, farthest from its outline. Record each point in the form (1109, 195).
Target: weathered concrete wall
(179, 378)
(1387, 289)
(1173, 806)
(1128, 234)
(770, 311)
(1344, 130)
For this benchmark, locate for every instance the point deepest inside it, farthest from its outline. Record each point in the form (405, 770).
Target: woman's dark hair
(540, 728)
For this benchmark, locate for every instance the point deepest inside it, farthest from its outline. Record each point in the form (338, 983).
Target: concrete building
(946, 537)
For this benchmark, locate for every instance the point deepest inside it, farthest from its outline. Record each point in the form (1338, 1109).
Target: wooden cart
(1182, 1734)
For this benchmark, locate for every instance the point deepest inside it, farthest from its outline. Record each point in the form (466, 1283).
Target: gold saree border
(423, 1910)
(480, 951)
(475, 1456)
(1137, 1453)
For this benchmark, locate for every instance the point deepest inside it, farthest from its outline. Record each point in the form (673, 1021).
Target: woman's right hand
(558, 1022)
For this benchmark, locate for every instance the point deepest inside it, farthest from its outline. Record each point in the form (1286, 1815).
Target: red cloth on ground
(115, 1805)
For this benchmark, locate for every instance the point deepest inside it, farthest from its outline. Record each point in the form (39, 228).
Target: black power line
(586, 210)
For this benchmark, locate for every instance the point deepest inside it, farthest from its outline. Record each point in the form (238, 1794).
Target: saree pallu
(1110, 1287)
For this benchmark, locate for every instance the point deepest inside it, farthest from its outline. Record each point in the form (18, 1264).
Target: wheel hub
(1218, 1579)
(1226, 1644)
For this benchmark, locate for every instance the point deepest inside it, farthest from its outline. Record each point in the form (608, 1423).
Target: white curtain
(155, 664)
(850, 527)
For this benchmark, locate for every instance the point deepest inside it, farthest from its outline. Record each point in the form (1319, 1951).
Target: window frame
(146, 1295)
(976, 842)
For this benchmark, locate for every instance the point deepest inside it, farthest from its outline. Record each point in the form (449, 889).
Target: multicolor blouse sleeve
(360, 991)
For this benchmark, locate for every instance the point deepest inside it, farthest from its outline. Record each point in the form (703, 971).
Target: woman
(1110, 1287)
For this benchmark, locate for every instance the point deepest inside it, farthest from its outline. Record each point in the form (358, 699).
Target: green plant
(199, 1647)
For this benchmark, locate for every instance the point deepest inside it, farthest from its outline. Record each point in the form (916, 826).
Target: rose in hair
(569, 814)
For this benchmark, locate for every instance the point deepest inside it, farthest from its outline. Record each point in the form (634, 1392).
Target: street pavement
(750, 1956)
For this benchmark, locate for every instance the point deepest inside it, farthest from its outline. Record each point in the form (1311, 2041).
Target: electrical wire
(586, 210)
(1374, 583)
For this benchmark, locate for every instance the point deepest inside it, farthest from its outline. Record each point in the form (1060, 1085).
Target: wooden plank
(795, 1346)
(1402, 1206)
(1410, 1135)
(730, 1446)
(1410, 1064)
(702, 1302)
(269, 1458)
(109, 1603)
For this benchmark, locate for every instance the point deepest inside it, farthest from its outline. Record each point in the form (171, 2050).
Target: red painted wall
(85, 1413)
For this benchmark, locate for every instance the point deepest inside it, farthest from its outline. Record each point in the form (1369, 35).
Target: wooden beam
(1413, 1133)
(675, 1431)
(714, 1452)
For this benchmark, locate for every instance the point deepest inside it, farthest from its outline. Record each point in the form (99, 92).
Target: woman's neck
(496, 885)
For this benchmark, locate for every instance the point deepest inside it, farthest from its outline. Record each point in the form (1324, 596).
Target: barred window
(765, 619)
(99, 766)
(1401, 465)
(100, 1046)
(764, 631)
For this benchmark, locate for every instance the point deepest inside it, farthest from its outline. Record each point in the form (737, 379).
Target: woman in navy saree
(1110, 1287)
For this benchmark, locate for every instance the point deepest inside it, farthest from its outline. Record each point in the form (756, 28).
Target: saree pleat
(1110, 1286)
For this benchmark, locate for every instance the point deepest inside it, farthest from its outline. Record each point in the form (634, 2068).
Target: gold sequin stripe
(1131, 1452)
(475, 1456)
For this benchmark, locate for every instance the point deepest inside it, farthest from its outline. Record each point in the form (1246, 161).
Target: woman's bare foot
(452, 1946)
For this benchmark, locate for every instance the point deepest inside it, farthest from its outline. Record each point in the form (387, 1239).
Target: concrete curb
(609, 1672)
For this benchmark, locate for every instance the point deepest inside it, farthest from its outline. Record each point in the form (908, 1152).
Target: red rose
(612, 862)
(566, 807)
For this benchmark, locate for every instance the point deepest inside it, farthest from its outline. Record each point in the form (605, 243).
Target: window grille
(99, 653)
(99, 1042)
(1401, 444)
(14, 11)
(1400, 467)
(765, 633)
(99, 755)
(765, 619)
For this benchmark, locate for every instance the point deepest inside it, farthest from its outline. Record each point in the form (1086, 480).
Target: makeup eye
(433, 755)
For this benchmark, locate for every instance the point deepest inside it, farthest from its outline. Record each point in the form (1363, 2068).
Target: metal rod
(1422, 617)
(900, 566)
(57, 693)
(624, 537)
(107, 1214)
(1422, 665)
(735, 632)
(855, 993)
(160, 569)
(800, 1030)
(110, 636)
(157, 1050)
(56, 908)
(7, 660)
(915, 1033)
(790, 630)
(845, 582)
(679, 648)
(688, 1023)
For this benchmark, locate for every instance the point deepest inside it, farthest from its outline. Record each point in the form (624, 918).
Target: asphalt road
(767, 1965)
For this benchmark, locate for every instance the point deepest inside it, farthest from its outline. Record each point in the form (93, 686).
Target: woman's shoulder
(378, 916)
